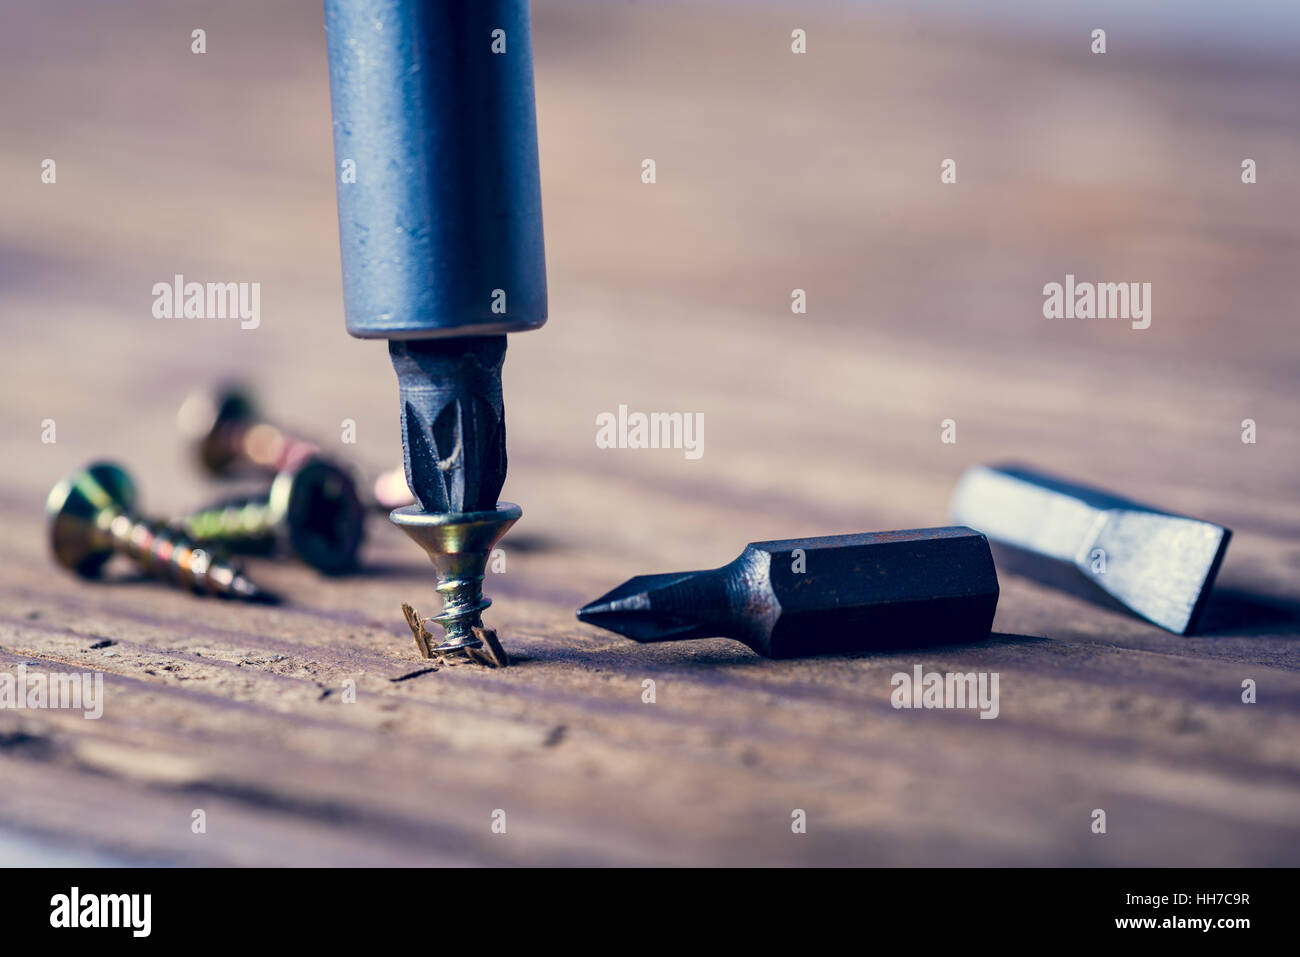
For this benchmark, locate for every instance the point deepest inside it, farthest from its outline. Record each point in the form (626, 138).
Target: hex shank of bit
(1155, 564)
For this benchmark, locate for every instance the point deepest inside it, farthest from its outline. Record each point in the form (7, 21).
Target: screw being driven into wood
(91, 519)
(459, 545)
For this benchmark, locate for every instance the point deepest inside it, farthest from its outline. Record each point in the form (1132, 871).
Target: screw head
(206, 418)
(459, 543)
(317, 508)
(79, 509)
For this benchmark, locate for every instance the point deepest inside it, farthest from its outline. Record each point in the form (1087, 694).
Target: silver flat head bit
(1155, 564)
(816, 596)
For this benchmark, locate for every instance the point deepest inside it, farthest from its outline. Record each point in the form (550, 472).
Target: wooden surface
(775, 172)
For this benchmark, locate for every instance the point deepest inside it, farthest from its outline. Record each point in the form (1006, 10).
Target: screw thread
(463, 604)
(164, 552)
(459, 545)
(244, 520)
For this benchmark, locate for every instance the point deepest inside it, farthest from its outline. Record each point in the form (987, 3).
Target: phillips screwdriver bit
(816, 596)
(1155, 564)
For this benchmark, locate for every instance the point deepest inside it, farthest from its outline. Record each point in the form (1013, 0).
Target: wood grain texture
(775, 172)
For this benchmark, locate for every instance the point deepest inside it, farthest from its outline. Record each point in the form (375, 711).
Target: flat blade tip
(1162, 567)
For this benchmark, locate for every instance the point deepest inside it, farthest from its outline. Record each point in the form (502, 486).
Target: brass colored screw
(91, 519)
(229, 433)
(458, 544)
(311, 511)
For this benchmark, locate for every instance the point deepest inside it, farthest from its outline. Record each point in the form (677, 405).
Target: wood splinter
(492, 655)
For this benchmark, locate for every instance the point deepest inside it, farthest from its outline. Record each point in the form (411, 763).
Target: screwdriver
(440, 227)
(816, 596)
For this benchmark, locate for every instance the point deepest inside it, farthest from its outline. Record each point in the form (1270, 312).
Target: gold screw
(90, 519)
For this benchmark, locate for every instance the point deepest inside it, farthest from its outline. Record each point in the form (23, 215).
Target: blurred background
(775, 171)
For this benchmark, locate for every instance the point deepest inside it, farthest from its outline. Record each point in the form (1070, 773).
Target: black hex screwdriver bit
(1093, 543)
(817, 596)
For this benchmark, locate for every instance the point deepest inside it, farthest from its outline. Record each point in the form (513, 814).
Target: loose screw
(229, 433)
(311, 511)
(91, 518)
